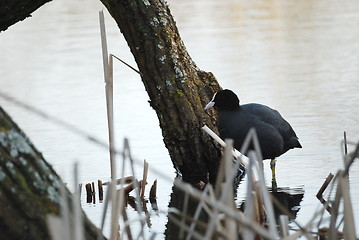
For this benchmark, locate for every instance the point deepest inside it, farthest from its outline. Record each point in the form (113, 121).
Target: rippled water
(299, 57)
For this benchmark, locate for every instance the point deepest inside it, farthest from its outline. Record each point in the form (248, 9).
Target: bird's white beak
(209, 105)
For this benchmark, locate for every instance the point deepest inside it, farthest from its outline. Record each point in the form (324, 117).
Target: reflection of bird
(274, 133)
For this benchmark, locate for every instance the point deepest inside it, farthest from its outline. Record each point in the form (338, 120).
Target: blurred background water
(299, 57)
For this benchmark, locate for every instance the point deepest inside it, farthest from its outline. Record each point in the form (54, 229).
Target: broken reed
(91, 192)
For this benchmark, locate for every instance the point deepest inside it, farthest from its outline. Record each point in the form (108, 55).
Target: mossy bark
(177, 88)
(29, 187)
(13, 11)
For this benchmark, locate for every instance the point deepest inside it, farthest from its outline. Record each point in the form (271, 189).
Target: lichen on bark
(29, 187)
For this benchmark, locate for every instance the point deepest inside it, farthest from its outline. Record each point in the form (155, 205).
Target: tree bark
(29, 187)
(12, 11)
(177, 88)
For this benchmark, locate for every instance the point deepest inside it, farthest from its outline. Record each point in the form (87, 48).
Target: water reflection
(286, 201)
(184, 211)
(183, 207)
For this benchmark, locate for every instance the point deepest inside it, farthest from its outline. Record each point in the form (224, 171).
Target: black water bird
(275, 134)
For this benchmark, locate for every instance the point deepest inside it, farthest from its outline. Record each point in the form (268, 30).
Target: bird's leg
(274, 181)
(272, 167)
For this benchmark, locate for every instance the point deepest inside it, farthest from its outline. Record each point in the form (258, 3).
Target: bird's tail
(292, 143)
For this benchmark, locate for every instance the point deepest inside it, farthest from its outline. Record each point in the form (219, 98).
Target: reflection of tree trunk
(178, 90)
(12, 11)
(29, 187)
(177, 201)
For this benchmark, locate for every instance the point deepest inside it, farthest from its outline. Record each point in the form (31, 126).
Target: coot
(275, 134)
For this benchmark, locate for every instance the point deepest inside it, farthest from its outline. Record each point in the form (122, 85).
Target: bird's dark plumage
(275, 134)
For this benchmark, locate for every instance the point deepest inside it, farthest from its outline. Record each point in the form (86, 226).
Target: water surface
(299, 57)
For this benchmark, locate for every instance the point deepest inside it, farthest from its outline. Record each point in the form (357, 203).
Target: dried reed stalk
(144, 179)
(108, 75)
(236, 154)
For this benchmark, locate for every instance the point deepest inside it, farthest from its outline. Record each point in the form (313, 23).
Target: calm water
(300, 57)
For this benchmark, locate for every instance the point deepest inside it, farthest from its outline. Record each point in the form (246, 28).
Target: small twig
(128, 65)
(125, 180)
(132, 186)
(322, 189)
(345, 144)
(352, 156)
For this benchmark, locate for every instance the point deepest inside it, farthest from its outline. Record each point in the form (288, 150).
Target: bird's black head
(224, 100)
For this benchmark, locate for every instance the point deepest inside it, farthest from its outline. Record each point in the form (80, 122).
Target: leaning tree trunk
(178, 90)
(12, 11)
(29, 187)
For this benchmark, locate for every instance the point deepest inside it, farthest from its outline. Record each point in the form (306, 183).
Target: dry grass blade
(352, 156)
(283, 225)
(349, 223)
